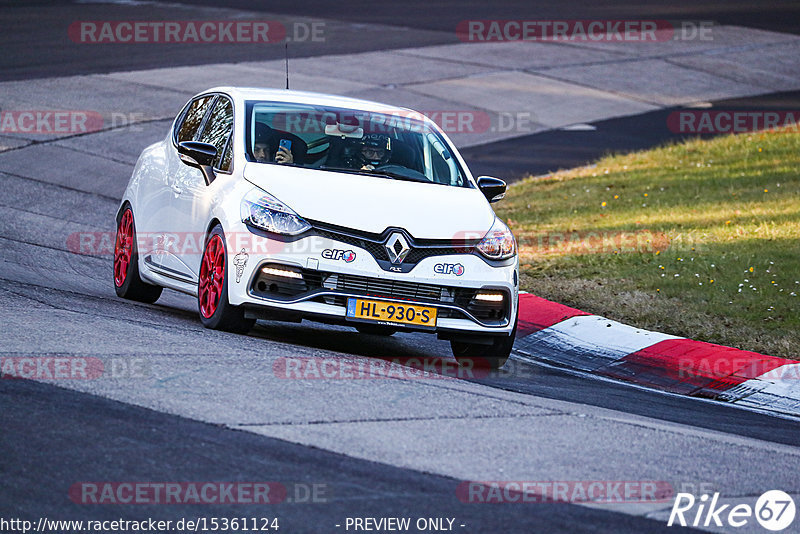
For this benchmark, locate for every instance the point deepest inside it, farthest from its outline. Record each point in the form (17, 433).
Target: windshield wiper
(396, 175)
(340, 169)
(378, 172)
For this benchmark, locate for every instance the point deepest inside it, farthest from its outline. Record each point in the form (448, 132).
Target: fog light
(281, 272)
(489, 297)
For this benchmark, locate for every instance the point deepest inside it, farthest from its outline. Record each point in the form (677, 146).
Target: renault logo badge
(397, 248)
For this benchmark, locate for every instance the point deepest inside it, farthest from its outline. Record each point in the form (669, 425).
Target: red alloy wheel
(123, 249)
(212, 276)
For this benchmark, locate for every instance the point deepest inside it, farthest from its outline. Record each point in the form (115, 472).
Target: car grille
(374, 244)
(395, 289)
(285, 288)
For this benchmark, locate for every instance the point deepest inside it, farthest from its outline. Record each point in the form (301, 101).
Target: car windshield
(400, 146)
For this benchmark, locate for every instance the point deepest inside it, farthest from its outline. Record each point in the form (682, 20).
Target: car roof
(306, 97)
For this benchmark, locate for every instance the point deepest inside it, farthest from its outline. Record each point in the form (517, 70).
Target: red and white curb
(560, 335)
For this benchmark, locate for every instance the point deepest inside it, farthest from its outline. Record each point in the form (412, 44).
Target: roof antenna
(286, 54)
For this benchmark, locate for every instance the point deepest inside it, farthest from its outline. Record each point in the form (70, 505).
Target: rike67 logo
(774, 510)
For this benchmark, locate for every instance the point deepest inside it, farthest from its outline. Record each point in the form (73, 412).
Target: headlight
(262, 210)
(498, 243)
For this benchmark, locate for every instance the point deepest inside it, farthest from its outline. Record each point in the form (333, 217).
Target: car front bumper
(326, 272)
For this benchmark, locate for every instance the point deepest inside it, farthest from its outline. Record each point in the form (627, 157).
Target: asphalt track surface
(552, 150)
(36, 44)
(209, 406)
(111, 445)
(178, 449)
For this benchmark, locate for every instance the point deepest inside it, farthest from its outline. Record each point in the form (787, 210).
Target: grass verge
(699, 239)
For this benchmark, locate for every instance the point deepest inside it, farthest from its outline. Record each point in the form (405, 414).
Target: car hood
(372, 203)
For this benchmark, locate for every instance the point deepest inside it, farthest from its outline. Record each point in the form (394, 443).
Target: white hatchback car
(285, 205)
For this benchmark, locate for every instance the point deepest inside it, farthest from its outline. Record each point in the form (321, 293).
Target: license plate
(391, 312)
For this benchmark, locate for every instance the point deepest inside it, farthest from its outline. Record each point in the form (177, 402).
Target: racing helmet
(376, 149)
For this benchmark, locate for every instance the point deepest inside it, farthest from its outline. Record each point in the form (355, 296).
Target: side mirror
(493, 189)
(200, 156)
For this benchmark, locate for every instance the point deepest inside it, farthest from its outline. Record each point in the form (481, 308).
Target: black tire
(492, 356)
(221, 314)
(376, 329)
(127, 282)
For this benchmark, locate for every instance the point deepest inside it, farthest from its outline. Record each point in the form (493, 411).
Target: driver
(265, 152)
(376, 149)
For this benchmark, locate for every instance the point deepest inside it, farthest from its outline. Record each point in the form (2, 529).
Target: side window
(193, 118)
(441, 172)
(443, 165)
(217, 130)
(225, 165)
